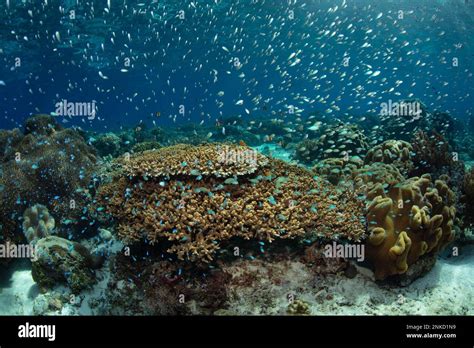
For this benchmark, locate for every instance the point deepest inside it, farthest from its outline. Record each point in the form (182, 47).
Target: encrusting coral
(367, 176)
(60, 260)
(192, 215)
(57, 259)
(406, 221)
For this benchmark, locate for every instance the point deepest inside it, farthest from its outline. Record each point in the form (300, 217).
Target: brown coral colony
(197, 208)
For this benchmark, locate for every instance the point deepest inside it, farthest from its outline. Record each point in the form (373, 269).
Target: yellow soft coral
(407, 221)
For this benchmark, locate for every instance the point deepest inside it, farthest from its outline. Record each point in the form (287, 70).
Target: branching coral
(194, 216)
(407, 221)
(202, 160)
(468, 195)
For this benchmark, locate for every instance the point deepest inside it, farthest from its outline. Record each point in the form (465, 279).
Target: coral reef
(395, 152)
(146, 145)
(41, 125)
(467, 198)
(407, 116)
(308, 151)
(37, 223)
(336, 169)
(49, 166)
(9, 139)
(202, 160)
(367, 176)
(407, 221)
(158, 201)
(108, 144)
(340, 140)
(432, 153)
(59, 260)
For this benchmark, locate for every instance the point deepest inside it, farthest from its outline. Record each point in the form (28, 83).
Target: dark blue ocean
(173, 62)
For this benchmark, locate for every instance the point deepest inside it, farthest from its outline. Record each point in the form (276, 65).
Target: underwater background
(223, 157)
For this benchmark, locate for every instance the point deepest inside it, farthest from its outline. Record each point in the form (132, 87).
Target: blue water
(188, 61)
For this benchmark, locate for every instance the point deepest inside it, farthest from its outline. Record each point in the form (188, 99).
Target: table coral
(221, 160)
(194, 216)
(407, 221)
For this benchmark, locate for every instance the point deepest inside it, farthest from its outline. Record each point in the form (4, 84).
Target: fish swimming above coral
(236, 158)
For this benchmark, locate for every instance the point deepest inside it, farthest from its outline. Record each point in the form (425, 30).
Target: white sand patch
(448, 289)
(17, 299)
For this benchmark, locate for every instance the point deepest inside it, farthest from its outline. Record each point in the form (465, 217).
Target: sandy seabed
(448, 289)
